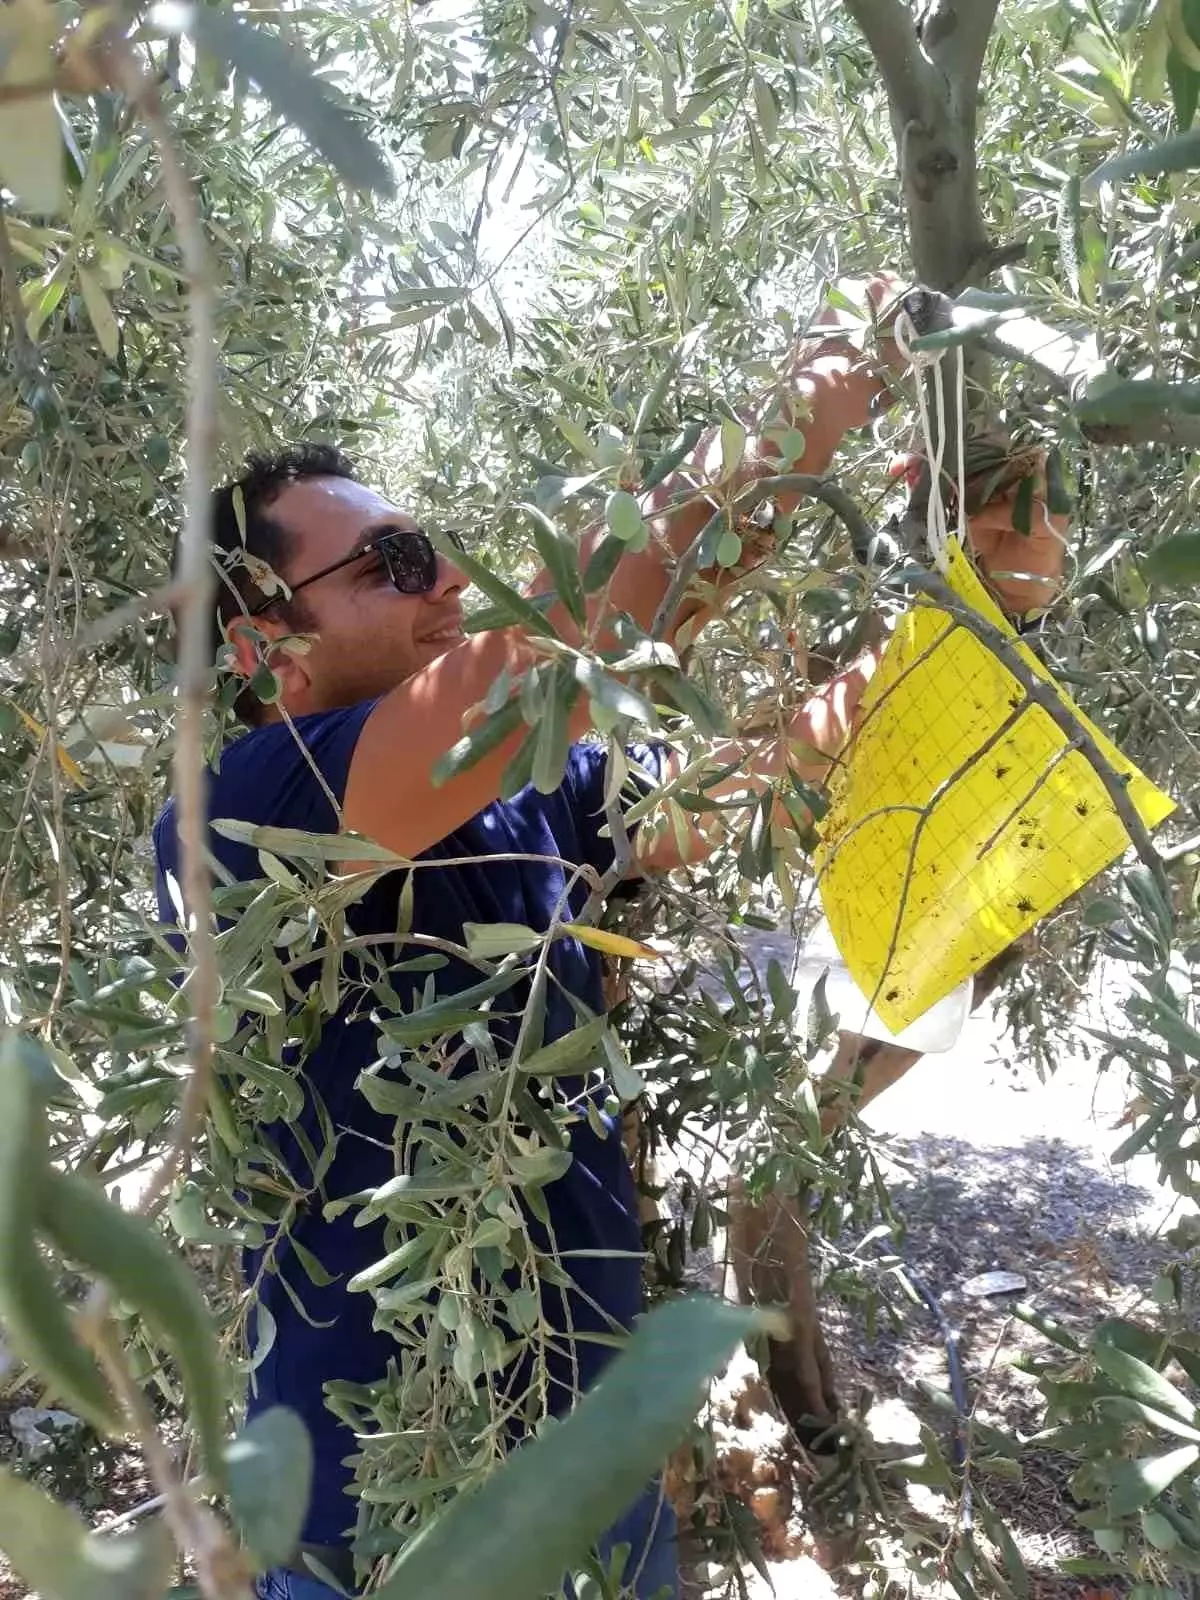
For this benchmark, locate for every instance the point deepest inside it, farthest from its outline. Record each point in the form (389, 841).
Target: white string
(937, 533)
(961, 402)
(937, 529)
(939, 538)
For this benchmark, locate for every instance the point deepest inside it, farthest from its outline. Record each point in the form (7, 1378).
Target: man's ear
(253, 640)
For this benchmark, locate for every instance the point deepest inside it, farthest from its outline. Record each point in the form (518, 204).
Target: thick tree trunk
(930, 63)
(772, 1265)
(769, 1244)
(930, 66)
(769, 1248)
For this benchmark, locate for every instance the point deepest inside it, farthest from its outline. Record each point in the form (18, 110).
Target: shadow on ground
(1076, 1231)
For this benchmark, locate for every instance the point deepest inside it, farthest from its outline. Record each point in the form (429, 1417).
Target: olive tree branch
(23, 347)
(196, 584)
(220, 1566)
(954, 36)
(623, 862)
(745, 500)
(105, 628)
(890, 30)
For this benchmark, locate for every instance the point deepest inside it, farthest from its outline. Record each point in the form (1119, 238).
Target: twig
(155, 1503)
(560, 49)
(745, 500)
(833, 112)
(220, 1567)
(1040, 692)
(24, 349)
(145, 1507)
(1186, 847)
(540, 216)
(104, 628)
(310, 761)
(196, 582)
(621, 863)
(1003, 255)
(1163, 427)
(51, 685)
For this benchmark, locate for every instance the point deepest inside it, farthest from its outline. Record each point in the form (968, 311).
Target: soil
(97, 1478)
(991, 1170)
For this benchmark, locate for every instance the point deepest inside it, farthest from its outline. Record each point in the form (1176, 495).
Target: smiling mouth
(443, 636)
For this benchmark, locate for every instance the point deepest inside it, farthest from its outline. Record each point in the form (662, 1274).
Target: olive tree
(221, 230)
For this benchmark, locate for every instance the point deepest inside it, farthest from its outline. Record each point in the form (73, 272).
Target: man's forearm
(811, 740)
(679, 508)
(808, 745)
(823, 400)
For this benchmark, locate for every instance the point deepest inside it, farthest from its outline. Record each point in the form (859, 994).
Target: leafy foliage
(610, 224)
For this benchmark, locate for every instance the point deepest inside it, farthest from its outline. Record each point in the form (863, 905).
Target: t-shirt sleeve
(270, 775)
(586, 773)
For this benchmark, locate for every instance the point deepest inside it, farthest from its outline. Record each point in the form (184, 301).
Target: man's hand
(852, 373)
(1023, 570)
(827, 389)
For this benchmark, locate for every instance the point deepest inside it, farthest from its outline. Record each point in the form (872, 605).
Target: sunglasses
(408, 557)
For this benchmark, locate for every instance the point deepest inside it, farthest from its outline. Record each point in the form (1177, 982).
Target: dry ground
(991, 1170)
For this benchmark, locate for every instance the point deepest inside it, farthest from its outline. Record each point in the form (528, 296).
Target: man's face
(369, 636)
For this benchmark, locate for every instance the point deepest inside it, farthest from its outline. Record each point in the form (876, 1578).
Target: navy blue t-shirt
(264, 778)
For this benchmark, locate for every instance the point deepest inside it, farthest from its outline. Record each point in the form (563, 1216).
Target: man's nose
(450, 579)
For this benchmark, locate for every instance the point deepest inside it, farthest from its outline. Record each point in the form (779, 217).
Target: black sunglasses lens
(411, 561)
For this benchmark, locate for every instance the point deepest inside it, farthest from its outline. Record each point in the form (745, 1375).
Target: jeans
(280, 1584)
(648, 1527)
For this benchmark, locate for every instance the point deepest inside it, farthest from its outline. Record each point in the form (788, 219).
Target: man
(362, 714)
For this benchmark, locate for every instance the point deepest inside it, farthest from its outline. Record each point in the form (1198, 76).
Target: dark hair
(262, 537)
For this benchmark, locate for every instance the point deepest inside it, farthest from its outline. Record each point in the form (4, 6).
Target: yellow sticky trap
(949, 834)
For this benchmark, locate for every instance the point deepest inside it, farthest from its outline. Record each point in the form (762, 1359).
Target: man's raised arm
(390, 795)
